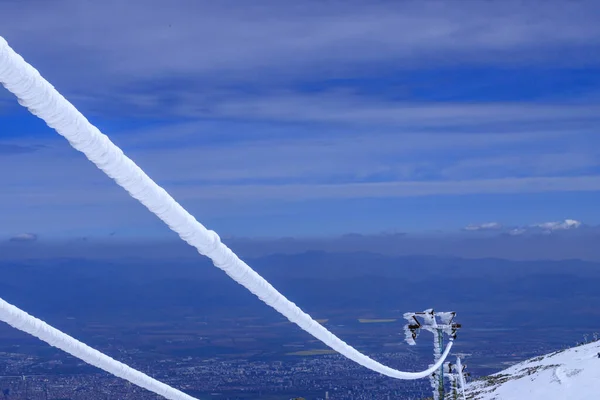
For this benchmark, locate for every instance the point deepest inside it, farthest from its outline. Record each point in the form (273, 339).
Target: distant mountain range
(559, 240)
(569, 239)
(318, 281)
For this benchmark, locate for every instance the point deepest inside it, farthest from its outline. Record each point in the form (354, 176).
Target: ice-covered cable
(42, 100)
(461, 378)
(19, 319)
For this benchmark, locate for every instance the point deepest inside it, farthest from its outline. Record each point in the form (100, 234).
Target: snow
(569, 374)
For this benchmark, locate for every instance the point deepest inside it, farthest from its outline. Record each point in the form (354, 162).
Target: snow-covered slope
(570, 374)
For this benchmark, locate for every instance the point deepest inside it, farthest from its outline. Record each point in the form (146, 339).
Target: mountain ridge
(572, 374)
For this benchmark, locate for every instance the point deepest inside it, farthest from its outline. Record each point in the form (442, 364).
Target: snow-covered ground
(570, 374)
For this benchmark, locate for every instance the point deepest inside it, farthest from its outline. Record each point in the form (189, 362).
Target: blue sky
(309, 118)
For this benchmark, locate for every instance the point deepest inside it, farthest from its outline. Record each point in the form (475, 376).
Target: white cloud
(558, 225)
(545, 227)
(348, 108)
(487, 226)
(512, 164)
(88, 195)
(416, 149)
(24, 237)
(245, 41)
(517, 231)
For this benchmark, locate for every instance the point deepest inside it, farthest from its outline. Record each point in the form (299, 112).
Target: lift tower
(439, 324)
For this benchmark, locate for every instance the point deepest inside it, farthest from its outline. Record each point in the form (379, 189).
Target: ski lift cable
(42, 100)
(461, 378)
(19, 319)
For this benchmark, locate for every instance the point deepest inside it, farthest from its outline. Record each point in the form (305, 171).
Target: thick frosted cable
(42, 100)
(21, 320)
(461, 378)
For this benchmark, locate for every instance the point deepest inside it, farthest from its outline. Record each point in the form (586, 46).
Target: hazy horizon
(561, 245)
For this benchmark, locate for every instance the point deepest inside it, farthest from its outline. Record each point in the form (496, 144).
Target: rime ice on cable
(462, 381)
(42, 100)
(41, 330)
(456, 375)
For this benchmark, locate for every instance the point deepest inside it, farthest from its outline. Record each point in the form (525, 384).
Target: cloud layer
(156, 55)
(255, 111)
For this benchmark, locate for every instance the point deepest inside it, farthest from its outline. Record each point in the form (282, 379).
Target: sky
(311, 118)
